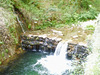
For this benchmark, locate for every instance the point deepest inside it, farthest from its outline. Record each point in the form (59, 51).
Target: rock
(57, 32)
(43, 36)
(74, 51)
(76, 36)
(58, 39)
(37, 42)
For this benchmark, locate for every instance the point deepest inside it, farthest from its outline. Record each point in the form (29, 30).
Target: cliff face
(8, 34)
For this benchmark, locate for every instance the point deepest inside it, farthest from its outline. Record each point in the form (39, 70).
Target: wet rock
(38, 42)
(37, 48)
(49, 44)
(76, 51)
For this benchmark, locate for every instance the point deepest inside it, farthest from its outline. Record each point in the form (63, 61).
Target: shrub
(90, 27)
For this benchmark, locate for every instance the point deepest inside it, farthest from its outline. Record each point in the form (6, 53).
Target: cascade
(56, 64)
(21, 24)
(61, 49)
(58, 48)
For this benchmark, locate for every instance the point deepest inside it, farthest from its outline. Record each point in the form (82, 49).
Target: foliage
(15, 39)
(13, 33)
(1, 42)
(6, 51)
(0, 62)
(91, 14)
(90, 27)
(12, 29)
(9, 56)
(3, 54)
(10, 17)
(51, 13)
(7, 4)
(29, 26)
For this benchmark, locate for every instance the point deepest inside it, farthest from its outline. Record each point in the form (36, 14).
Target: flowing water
(21, 24)
(56, 64)
(33, 63)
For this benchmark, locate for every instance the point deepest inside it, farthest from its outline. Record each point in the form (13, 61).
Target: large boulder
(76, 51)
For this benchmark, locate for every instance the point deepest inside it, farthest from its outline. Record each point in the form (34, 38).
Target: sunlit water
(56, 64)
(33, 63)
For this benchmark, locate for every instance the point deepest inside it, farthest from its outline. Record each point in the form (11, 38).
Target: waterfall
(58, 48)
(61, 49)
(56, 64)
(21, 24)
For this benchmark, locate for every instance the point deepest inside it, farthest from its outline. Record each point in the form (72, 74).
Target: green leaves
(29, 26)
(90, 27)
(3, 54)
(16, 41)
(6, 51)
(0, 62)
(12, 29)
(1, 42)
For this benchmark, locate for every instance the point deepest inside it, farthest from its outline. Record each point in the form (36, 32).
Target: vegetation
(1, 42)
(3, 54)
(54, 13)
(0, 62)
(29, 26)
(7, 51)
(48, 13)
(90, 27)
(8, 34)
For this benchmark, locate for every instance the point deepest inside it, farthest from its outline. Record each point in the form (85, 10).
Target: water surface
(23, 65)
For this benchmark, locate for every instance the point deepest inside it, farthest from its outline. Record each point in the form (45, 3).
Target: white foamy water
(56, 64)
